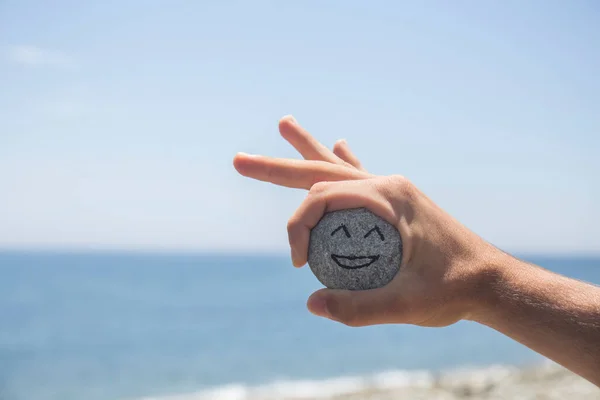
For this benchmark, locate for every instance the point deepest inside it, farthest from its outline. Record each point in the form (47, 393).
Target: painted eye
(339, 228)
(376, 229)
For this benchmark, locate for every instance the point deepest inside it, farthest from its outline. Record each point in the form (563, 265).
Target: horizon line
(237, 251)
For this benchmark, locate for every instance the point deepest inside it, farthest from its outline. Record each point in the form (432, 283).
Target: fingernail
(343, 141)
(245, 154)
(291, 119)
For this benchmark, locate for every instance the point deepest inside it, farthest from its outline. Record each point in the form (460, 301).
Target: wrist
(494, 275)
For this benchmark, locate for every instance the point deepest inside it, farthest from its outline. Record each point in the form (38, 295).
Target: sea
(136, 326)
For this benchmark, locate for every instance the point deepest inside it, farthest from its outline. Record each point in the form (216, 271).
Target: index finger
(299, 174)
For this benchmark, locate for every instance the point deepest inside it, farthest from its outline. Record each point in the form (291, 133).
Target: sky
(119, 119)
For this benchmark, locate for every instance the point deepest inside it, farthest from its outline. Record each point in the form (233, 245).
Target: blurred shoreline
(546, 381)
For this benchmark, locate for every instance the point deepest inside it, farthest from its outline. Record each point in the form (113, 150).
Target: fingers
(330, 196)
(342, 150)
(309, 147)
(321, 164)
(300, 174)
(359, 307)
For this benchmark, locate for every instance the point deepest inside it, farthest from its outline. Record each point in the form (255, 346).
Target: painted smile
(354, 262)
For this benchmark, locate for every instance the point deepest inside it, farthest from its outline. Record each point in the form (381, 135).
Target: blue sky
(119, 119)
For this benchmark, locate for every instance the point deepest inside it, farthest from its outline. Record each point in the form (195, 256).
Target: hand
(447, 273)
(442, 260)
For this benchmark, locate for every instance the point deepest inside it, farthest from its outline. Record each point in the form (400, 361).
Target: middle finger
(309, 147)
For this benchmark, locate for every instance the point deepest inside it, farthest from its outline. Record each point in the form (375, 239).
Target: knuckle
(318, 188)
(290, 224)
(349, 314)
(400, 185)
(293, 225)
(399, 180)
(270, 172)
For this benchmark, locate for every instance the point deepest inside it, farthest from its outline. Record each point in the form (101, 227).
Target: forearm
(553, 315)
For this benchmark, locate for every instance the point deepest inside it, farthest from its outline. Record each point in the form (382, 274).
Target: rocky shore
(542, 382)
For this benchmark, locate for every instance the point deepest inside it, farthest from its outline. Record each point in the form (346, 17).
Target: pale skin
(448, 273)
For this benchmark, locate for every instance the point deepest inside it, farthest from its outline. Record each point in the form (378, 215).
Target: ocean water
(132, 326)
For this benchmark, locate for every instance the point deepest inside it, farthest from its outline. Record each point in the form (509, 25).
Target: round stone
(354, 249)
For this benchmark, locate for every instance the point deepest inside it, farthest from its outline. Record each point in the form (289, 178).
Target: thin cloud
(32, 56)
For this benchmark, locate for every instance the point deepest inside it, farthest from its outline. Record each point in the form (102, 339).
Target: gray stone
(354, 249)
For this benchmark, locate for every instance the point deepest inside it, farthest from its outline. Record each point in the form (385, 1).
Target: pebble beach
(542, 382)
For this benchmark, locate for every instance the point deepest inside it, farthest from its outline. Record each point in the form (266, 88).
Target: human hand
(442, 263)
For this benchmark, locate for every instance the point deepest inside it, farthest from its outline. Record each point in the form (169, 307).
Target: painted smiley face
(355, 261)
(354, 249)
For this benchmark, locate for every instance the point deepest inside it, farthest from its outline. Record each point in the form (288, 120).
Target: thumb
(357, 307)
